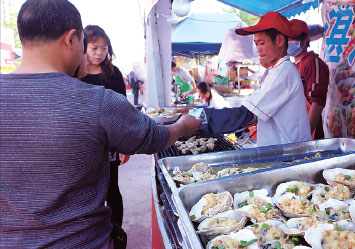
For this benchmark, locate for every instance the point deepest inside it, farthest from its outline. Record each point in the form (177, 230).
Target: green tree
(11, 23)
(247, 18)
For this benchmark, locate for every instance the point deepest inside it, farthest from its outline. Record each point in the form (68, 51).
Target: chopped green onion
(221, 247)
(294, 189)
(347, 177)
(190, 175)
(266, 226)
(269, 206)
(254, 225)
(323, 195)
(288, 190)
(295, 240)
(244, 203)
(276, 238)
(244, 244)
(338, 228)
(304, 203)
(327, 211)
(205, 228)
(293, 198)
(278, 245)
(193, 217)
(345, 212)
(330, 221)
(314, 208)
(251, 194)
(214, 247)
(263, 210)
(310, 211)
(217, 221)
(326, 188)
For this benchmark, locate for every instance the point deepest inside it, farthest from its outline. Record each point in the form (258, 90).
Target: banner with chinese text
(339, 53)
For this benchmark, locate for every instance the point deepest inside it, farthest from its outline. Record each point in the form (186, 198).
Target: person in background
(134, 81)
(314, 74)
(55, 135)
(210, 97)
(184, 81)
(102, 72)
(279, 103)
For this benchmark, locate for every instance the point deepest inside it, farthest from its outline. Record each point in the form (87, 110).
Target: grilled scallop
(244, 238)
(298, 226)
(302, 189)
(340, 176)
(334, 210)
(293, 206)
(326, 236)
(222, 223)
(322, 193)
(258, 197)
(210, 205)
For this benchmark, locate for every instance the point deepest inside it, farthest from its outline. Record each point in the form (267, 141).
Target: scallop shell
(352, 210)
(204, 229)
(294, 228)
(313, 236)
(244, 234)
(329, 175)
(201, 167)
(228, 172)
(272, 222)
(277, 199)
(346, 225)
(302, 247)
(225, 201)
(335, 205)
(248, 211)
(320, 189)
(282, 188)
(246, 195)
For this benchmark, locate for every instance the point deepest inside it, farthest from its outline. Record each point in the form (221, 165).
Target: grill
(222, 144)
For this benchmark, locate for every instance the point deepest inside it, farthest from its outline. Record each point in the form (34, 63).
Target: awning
(259, 8)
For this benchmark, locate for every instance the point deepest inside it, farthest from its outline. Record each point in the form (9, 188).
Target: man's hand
(184, 110)
(185, 126)
(185, 94)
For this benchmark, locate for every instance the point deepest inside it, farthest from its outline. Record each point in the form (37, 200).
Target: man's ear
(280, 40)
(68, 38)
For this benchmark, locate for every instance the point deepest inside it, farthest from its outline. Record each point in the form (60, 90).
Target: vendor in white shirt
(279, 103)
(210, 97)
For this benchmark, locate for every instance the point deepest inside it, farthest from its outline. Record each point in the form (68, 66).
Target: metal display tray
(259, 157)
(186, 196)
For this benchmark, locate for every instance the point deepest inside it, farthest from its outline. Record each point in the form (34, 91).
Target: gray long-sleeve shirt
(54, 137)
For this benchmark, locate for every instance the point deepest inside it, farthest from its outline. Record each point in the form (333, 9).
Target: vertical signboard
(339, 53)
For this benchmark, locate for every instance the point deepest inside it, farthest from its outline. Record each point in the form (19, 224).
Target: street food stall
(291, 192)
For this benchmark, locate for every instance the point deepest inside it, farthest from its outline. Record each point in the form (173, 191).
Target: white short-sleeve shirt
(280, 106)
(183, 74)
(217, 101)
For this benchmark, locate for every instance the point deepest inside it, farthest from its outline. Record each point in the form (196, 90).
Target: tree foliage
(245, 17)
(11, 23)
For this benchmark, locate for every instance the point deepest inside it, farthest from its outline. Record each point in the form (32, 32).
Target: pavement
(134, 180)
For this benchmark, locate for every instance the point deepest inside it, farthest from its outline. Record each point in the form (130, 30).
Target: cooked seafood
(298, 226)
(269, 230)
(222, 223)
(242, 239)
(302, 189)
(293, 206)
(257, 197)
(325, 236)
(198, 172)
(195, 146)
(160, 112)
(340, 176)
(211, 204)
(323, 193)
(259, 214)
(334, 210)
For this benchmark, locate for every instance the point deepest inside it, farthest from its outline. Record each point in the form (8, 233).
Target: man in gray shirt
(55, 132)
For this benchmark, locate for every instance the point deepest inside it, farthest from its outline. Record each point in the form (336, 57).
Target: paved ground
(135, 184)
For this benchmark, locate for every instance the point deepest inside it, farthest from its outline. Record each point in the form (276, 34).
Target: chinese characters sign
(339, 54)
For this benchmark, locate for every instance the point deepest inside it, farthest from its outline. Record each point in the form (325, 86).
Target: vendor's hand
(188, 125)
(184, 110)
(185, 94)
(123, 158)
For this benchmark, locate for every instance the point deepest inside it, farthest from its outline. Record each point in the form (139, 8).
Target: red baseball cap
(271, 20)
(299, 27)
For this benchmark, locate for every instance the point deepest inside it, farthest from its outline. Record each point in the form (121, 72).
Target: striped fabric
(54, 135)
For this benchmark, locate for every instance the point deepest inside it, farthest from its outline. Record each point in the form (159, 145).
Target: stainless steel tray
(186, 196)
(258, 157)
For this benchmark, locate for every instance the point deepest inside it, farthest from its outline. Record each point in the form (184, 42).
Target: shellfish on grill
(322, 193)
(258, 197)
(327, 236)
(298, 226)
(302, 189)
(340, 176)
(211, 204)
(293, 206)
(244, 238)
(222, 223)
(334, 210)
